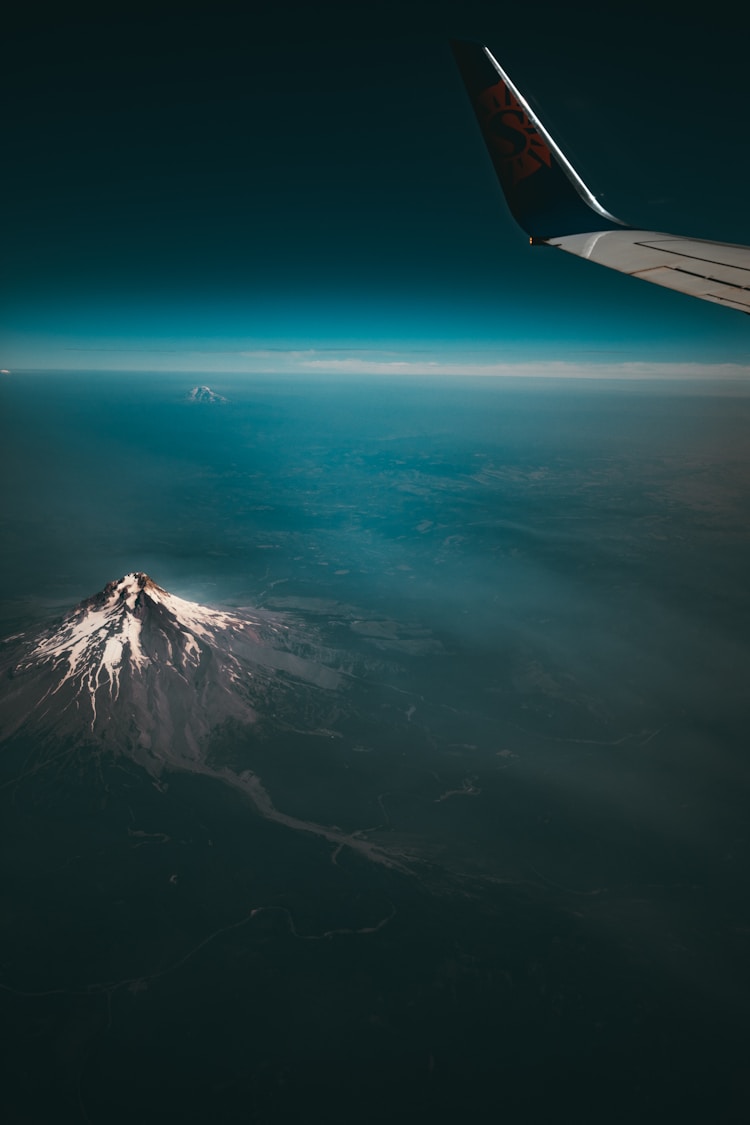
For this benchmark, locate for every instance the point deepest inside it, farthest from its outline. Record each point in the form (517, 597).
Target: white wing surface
(713, 271)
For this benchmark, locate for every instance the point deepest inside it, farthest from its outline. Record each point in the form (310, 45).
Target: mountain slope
(136, 671)
(148, 673)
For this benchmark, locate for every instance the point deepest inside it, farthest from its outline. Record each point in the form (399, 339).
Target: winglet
(545, 194)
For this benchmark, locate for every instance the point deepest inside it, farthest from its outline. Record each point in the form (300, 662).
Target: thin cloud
(239, 357)
(545, 369)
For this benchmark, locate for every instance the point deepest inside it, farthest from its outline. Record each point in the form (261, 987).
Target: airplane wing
(550, 201)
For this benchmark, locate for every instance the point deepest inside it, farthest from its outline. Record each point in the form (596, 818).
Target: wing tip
(545, 194)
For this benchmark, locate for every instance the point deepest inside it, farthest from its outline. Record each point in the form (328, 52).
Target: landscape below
(417, 787)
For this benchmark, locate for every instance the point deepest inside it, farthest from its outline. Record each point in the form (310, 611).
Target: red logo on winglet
(511, 136)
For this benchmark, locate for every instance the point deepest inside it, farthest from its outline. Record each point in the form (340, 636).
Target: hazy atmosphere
(374, 635)
(527, 605)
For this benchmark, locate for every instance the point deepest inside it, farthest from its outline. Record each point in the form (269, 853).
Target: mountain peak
(142, 668)
(106, 633)
(151, 674)
(129, 588)
(205, 394)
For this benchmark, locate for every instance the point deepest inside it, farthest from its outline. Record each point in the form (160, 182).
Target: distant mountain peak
(205, 394)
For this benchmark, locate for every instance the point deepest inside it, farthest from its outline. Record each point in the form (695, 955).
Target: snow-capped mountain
(205, 394)
(148, 673)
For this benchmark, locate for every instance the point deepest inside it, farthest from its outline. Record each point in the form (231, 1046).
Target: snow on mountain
(205, 394)
(150, 674)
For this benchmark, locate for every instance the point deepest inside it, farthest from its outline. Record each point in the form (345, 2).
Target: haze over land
(374, 637)
(484, 836)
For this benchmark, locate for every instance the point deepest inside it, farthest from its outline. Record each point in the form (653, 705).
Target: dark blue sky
(209, 188)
